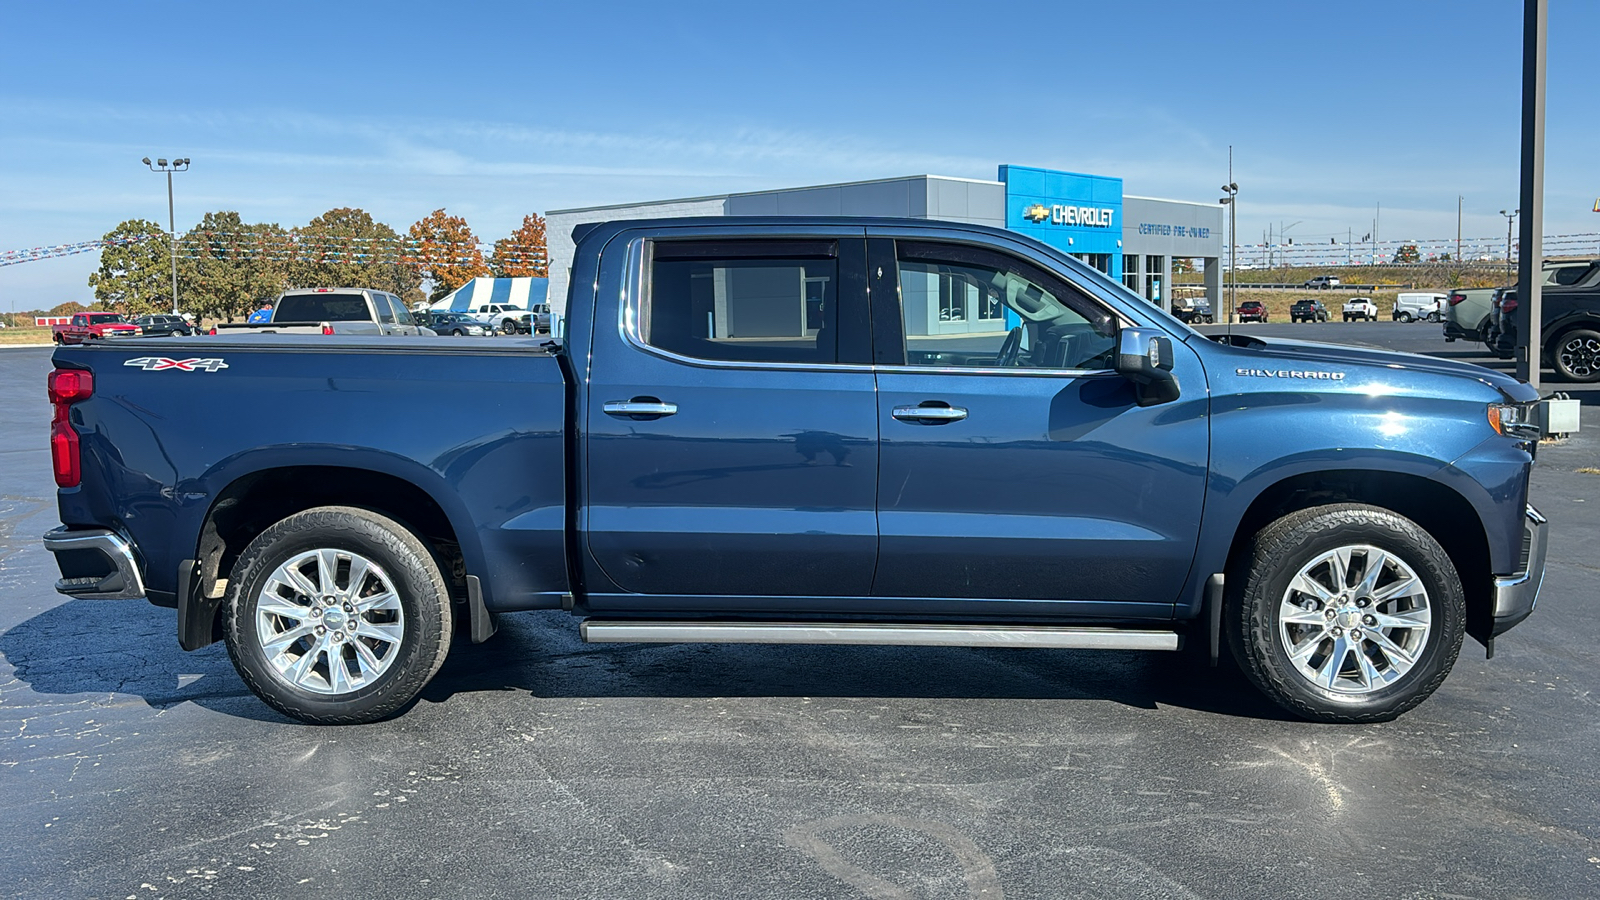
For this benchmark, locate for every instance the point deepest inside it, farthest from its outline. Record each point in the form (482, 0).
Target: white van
(1410, 307)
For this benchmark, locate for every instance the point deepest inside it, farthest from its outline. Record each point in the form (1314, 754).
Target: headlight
(1514, 420)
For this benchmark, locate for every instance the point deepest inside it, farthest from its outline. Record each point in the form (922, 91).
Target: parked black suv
(173, 325)
(1308, 311)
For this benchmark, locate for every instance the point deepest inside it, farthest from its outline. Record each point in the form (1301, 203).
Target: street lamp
(1231, 202)
(1510, 218)
(177, 165)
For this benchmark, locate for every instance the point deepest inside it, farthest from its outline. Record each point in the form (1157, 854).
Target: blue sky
(495, 110)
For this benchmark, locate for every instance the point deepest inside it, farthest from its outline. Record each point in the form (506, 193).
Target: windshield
(106, 319)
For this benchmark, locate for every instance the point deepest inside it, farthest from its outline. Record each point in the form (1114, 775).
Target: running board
(654, 632)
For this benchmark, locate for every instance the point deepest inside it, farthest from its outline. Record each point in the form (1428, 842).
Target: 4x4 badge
(161, 363)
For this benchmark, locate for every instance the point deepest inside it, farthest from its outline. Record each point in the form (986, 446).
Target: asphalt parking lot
(538, 766)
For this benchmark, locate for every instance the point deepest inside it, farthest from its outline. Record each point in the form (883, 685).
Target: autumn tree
(134, 277)
(228, 266)
(346, 247)
(523, 253)
(445, 251)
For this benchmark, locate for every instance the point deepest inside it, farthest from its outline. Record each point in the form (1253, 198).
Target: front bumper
(96, 564)
(1515, 594)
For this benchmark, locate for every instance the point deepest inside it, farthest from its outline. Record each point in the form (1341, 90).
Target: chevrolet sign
(1085, 216)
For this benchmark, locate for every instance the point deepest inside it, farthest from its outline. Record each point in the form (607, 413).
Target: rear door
(1014, 464)
(732, 426)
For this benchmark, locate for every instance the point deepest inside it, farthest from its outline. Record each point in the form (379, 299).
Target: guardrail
(1271, 286)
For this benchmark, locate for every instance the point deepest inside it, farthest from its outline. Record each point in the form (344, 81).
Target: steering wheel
(1011, 350)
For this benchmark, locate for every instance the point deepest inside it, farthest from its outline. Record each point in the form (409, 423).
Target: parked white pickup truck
(499, 316)
(1360, 308)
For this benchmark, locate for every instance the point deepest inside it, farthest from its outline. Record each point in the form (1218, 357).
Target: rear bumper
(1515, 594)
(96, 564)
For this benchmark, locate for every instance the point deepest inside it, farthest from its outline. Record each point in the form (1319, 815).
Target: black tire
(1277, 556)
(457, 332)
(1576, 355)
(174, 333)
(1403, 316)
(1433, 317)
(508, 327)
(423, 611)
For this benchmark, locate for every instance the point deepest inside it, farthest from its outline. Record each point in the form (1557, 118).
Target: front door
(732, 448)
(1014, 466)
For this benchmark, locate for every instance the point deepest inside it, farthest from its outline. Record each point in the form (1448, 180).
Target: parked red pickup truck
(85, 326)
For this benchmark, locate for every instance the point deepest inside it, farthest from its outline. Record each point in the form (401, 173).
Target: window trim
(635, 290)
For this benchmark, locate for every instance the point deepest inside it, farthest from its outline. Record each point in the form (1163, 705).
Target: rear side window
(744, 300)
(401, 314)
(322, 308)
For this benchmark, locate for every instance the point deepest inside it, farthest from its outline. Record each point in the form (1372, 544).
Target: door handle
(639, 408)
(930, 415)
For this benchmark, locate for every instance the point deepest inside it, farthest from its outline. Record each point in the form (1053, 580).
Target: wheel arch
(253, 501)
(1442, 512)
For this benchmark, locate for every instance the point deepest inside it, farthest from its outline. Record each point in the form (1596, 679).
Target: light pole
(1232, 205)
(1510, 218)
(177, 165)
(1283, 236)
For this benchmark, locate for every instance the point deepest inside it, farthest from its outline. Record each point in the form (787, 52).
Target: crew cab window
(744, 300)
(401, 314)
(969, 307)
(380, 303)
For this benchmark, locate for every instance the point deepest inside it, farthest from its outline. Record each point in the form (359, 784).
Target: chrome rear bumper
(1515, 594)
(96, 564)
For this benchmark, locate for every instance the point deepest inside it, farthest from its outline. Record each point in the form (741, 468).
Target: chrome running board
(1037, 636)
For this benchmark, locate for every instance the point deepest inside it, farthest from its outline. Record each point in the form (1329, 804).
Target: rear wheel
(1577, 355)
(1350, 613)
(337, 615)
(1403, 316)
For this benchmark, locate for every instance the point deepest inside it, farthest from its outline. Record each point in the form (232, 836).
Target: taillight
(213, 331)
(326, 328)
(1508, 305)
(66, 387)
(1457, 298)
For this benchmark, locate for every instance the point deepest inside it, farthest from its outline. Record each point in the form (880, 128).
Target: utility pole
(1459, 198)
(177, 165)
(1535, 15)
(1510, 218)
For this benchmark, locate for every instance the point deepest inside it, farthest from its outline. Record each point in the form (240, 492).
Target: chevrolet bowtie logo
(1036, 213)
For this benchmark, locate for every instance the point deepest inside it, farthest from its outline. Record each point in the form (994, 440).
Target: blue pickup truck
(848, 431)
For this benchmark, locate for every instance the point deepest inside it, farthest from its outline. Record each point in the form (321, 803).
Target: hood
(1293, 352)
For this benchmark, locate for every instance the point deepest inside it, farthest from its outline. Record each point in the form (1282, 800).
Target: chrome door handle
(652, 408)
(933, 415)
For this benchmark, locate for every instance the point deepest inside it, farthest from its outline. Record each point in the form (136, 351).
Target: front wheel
(1349, 613)
(337, 616)
(508, 327)
(1404, 317)
(1577, 355)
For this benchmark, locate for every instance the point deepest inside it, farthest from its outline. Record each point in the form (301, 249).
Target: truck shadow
(89, 647)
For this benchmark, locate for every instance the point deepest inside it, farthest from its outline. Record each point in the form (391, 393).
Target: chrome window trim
(635, 299)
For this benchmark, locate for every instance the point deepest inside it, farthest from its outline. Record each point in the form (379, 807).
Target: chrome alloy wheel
(1354, 620)
(1580, 354)
(329, 621)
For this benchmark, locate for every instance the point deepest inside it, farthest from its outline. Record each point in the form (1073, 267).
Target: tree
(1407, 254)
(445, 251)
(346, 247)
(228, 267)
(523, 253)
(134, 277)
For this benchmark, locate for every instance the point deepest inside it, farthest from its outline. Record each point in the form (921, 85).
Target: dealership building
(1133, 239)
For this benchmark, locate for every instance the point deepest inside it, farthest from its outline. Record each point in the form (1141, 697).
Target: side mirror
(1144, 357)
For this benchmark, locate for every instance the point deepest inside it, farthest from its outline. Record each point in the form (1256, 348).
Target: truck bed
(472, 423)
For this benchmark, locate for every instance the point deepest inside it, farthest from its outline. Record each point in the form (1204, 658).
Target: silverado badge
(161, 363)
